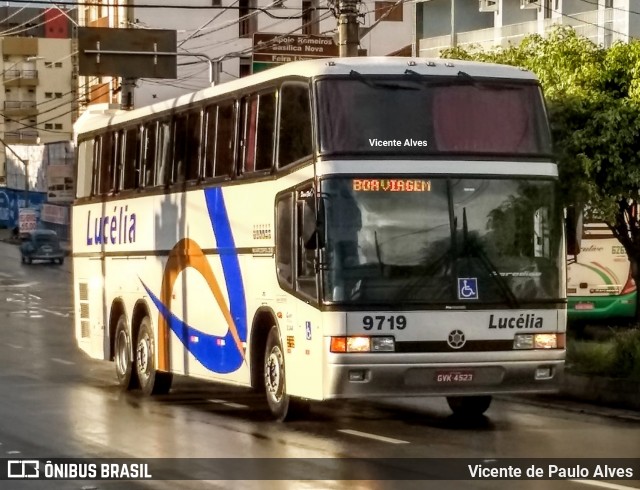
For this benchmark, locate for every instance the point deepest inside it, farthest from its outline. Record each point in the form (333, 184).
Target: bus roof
(102, 115)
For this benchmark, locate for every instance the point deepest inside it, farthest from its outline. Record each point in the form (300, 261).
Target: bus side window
(180, 125)
(85, 168)
(284, 239)
(265, 136)
(163, 155)
(225, 139)
(97, 152)
(107, 163)
(149, 153)
(131, 159)
(193, 145)
(211, 121)
(294, 138)
(186, 147)
(249, 107)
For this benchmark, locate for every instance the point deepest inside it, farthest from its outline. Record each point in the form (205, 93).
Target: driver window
(306, 240)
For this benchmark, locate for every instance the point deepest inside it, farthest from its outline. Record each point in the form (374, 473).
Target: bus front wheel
(152, 382)
(125, 372)
(469, 406)
(282, 406)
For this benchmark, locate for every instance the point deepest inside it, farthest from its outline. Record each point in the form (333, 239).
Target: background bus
(327, 229)
(599, 282)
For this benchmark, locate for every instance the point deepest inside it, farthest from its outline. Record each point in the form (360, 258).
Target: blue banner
(11, 200)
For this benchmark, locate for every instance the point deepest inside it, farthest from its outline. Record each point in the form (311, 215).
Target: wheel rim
(143, 358)
(274, 374)
(122, 353)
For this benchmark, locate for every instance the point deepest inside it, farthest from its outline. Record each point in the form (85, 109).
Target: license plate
(454, 376)
(584, 306)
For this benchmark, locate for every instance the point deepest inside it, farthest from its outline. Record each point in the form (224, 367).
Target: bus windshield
(442, 241)
(418, 115)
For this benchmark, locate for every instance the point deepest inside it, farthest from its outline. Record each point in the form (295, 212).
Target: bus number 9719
(381, 322)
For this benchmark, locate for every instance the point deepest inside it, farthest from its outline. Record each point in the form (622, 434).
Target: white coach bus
(339, 228)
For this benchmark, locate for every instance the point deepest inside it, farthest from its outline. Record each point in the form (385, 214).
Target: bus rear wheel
(282, 406)
(125, 371)
(469, 406)
(152, 381)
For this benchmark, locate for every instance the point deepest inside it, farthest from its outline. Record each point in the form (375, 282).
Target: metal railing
(594, 25)
(19, 104)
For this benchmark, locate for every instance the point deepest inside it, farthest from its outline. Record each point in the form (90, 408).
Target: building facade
(37, 100)
(490, 23)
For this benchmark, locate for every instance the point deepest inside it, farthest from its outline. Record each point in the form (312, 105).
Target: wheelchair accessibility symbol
(467, 288)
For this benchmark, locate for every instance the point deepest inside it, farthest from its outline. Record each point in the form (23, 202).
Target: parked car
(41, 245)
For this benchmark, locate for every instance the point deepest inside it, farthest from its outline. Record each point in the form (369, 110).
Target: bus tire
(469, 406)
(282, 406)
(125, 368)
(152, 381)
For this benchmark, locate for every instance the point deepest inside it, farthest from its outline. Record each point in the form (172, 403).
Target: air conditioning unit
(488, 6)
(530, 4)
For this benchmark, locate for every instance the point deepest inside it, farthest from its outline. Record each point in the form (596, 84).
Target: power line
(183, 7)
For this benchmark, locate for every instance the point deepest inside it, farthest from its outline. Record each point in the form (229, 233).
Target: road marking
(372, 436)
(14, 346)
(227, 404)
(603, 484)
(57, 313)
(62, 361)
(23, 285)
(13, 452)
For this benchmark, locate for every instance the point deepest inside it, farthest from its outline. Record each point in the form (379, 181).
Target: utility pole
(348, 34)
(128, 85)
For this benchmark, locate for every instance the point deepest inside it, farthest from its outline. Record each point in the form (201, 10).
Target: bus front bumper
(368, 379)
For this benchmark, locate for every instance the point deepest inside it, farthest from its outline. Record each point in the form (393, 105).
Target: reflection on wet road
(55, 402)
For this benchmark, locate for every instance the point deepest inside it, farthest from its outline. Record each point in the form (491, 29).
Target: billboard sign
(113, 60)
(275, 49)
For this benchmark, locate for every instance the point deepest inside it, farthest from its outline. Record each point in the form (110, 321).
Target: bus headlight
(539, 341)
(362, 344)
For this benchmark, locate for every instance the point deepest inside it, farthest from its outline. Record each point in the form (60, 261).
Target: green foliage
(615, 358)
(593, 98)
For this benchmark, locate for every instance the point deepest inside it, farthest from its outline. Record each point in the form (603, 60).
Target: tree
(593, 98)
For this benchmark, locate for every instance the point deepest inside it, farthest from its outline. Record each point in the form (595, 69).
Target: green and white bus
(337, 228)
(599, 282)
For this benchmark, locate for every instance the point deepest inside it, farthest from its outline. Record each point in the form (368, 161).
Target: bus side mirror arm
(316, 237)
(573, 226)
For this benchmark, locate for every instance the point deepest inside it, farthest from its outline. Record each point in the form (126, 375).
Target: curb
(619, 393)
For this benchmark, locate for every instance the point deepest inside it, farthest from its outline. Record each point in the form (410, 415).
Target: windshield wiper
(471, 248)
(379, 85)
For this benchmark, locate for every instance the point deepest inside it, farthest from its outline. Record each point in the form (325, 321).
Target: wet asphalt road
(55, 402)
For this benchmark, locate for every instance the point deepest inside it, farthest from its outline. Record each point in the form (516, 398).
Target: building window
(216, 3)
(58, 64)
(48, 95)
(58, 126)
(48, 126)
(310, 17)
(48, 64)
(390, 11)
(248, 21)
(58, 95)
